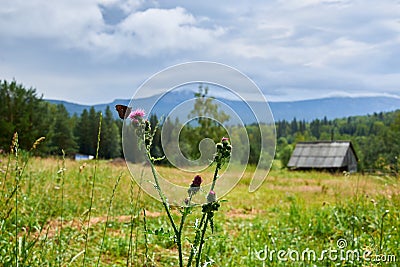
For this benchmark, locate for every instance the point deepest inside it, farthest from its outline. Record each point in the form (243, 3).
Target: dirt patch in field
(244, 213)
(298, 188)
(118, 162)
(51, 228)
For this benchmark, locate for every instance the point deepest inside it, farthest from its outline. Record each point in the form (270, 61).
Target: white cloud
(155, 31)
(292, 49)
(80, 24)
(65, 20)
(304, 32)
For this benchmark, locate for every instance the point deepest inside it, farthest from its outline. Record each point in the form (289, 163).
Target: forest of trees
(22, 111)
(375, 137)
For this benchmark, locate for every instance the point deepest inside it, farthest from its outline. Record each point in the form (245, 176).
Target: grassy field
(56, 212)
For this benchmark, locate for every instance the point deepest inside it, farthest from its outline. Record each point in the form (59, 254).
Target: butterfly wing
(123, 111)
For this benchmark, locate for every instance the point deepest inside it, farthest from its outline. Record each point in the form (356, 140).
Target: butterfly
(123, 111)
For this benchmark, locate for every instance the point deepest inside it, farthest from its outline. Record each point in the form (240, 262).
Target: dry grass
(314, 188)
(288, 206)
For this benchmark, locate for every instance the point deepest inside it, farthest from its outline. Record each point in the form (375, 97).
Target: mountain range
(331, 108)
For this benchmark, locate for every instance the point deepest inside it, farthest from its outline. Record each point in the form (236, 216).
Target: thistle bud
(195, 186)
(225, 141)
(147, 125)
(211, 197)
(219, 146)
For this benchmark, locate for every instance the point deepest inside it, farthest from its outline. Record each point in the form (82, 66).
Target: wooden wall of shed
(351, 161)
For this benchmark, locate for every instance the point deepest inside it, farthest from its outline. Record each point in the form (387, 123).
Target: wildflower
(211, 197)
(195, 186)
(224, 149)
(220, 146)
(137, 115)
(14, 143)
(187, 201)
(37, 142)
(196, 181)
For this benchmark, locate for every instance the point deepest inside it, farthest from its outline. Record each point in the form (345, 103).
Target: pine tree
(82, 131)
(21, 111)
(93, 131)
(110, 142)
(62, 137)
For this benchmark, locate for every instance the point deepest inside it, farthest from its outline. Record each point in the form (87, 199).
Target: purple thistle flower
(195, 186)
(225, 141)
(137, 115)
(211, 197)
(196, 181)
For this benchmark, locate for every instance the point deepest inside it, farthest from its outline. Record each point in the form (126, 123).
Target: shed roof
(322, 154)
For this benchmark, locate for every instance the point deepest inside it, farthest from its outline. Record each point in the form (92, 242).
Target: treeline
(375, 137)
(23, 111)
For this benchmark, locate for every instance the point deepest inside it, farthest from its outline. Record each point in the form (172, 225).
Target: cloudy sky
(94, 51)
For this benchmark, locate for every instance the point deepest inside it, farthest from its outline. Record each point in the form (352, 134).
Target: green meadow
(59, 212)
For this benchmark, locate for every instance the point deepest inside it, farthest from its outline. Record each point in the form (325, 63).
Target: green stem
(163, 199)
(196, 240)
(133, 212)
(107, 218)
(203, 232)
(146, 252)
(92, 191)
(185, 213)
(381, 234)
(17, 177)
(215, 176)
(60, 236)
(178, 238)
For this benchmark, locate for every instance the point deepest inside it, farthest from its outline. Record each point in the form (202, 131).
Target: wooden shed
(324, 155)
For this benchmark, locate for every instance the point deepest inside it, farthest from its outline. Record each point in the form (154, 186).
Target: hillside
(335, 107)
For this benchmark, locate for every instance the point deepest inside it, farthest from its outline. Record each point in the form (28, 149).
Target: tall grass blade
(107, 218)
(92, 190)
(15, 147)
(60, 232)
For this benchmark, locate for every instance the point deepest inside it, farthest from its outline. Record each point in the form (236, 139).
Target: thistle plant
(145, 135)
